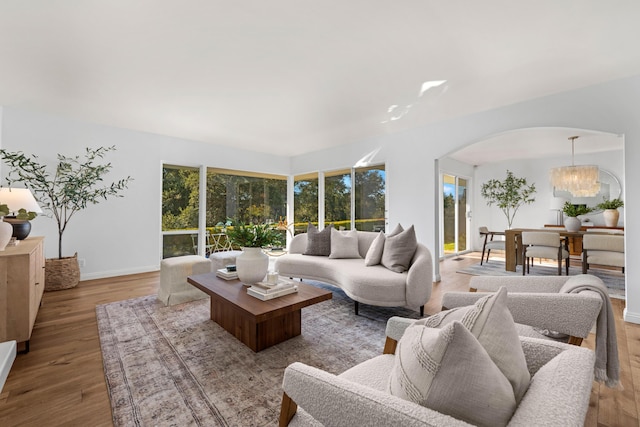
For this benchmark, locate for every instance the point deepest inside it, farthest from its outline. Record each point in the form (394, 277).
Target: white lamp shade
(19, 198)
(557, 203)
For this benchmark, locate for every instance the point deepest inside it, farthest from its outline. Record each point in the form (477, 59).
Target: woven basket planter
(63, 273)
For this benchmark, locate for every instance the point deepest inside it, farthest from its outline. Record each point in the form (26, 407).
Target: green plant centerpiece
(610, 204)
(573, 211)
(610, 211)
(509, 195)
(253, 263)
(254, 235)
(75, 183)
(572, 223)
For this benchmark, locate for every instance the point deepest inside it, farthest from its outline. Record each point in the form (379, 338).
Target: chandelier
(580, 181)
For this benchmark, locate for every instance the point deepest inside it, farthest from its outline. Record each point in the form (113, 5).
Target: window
(370, 189)
(337, 199)
(245, 197)
(180, 201)
(305, 201)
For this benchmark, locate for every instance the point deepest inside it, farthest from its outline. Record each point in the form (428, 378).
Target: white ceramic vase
(572, 224)
(252, 265)
(6, 231)
(611, 217)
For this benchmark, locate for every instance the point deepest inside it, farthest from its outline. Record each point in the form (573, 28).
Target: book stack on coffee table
(226, 274)
(266, 291)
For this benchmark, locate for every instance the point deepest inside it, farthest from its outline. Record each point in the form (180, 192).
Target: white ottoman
(174, 288)
(222, 259)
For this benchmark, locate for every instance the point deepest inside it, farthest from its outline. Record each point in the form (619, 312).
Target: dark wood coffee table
(258, 324)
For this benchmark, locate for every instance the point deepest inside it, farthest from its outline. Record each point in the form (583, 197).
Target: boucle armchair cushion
(399, 249)
(344, 244)
(374, 254)
(318, 242)
(447, 370)
(490, 321)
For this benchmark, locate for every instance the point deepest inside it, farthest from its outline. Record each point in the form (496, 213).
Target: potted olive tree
(610, 208)
(75, 183)
(509, 195)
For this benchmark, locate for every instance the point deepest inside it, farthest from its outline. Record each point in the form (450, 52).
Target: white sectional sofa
(374, 285)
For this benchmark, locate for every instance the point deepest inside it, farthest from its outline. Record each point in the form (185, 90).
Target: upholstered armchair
(359, 397)
(544, 244)
(602, 249)
(536, 304)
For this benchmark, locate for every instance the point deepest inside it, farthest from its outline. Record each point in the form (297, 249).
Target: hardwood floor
(61, 380)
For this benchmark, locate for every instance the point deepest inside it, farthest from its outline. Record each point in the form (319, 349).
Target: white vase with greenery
(610, 212)
(252, 265)
(573, 223)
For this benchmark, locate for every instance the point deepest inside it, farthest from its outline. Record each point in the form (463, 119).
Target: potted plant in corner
(610, 208)
(253, 263)
(509, 194)
(573, 223)
(76, 183)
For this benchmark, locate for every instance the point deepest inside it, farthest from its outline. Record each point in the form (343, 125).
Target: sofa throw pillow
(374, 254)
(397, 230)
(449, 371)
(490, 321)
(399, 249)
(344, 244)
(318, 242)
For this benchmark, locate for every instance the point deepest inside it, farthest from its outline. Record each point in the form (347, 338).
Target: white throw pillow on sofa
(374, 254)
(344, 244)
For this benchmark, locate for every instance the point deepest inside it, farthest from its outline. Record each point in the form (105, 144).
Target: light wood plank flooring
(60, 382)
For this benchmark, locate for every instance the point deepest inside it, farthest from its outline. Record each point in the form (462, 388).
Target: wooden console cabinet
(21, 288)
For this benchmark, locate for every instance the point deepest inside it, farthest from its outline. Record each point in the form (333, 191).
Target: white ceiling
(295, 76)
(537, 143)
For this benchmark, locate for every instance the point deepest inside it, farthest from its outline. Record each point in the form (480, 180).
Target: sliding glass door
(455, 214)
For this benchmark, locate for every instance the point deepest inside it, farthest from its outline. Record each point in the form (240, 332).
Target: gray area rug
(613, 279)
(175, 366)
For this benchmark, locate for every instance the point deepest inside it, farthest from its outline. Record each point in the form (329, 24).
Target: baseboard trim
(114, 273)
(631, 317)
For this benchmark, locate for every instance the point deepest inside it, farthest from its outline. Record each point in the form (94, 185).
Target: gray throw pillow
(396, 230)
(374, 254)
(490, 321)
(399, 250)
(449, 371)
(318, 242)
(344, 244)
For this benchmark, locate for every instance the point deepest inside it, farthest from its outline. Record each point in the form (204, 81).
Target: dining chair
(602, 249)
(544, 244)
(489, 243)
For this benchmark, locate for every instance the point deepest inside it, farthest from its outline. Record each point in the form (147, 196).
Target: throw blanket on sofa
(607, 367)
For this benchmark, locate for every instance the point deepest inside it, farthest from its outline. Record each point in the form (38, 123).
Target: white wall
(120, 235)
(611, 107)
